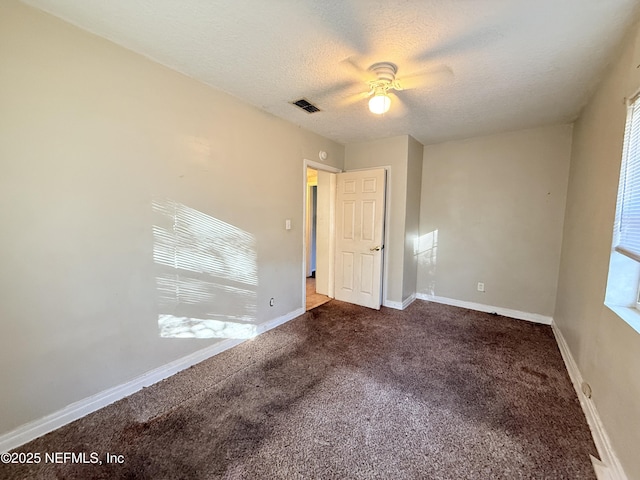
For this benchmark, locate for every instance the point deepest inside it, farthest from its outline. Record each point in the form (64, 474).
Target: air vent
(305, 105)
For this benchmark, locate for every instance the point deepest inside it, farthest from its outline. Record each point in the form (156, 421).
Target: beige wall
(89, 134)
(497, 205)
(606, 349)
(412, 217)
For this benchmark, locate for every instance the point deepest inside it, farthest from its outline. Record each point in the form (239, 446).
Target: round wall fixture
(322, 155)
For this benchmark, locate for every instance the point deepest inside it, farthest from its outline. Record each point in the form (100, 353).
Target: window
(627, 226)
(622, 294)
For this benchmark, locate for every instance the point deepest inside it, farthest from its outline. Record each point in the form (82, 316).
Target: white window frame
(627, 223)
(623, 284)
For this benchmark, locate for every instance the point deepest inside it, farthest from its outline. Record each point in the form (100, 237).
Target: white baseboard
(506, 312)
(391, 304)
(280, 320)
(32, 430)
(608, 467)
(408, 301)
(400, 305)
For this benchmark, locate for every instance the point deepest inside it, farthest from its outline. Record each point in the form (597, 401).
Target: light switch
(287, 224)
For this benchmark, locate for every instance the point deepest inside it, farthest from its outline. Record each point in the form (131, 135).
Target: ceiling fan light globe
(379, 104)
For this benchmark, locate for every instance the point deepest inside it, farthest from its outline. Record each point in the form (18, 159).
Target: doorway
(313, 298)
(320, 226)
(318, 241)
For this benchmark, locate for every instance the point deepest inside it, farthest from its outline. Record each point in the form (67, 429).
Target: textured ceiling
(496, 64)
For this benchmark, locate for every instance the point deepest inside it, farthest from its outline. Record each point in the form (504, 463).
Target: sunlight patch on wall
(185, 327)
(426, 249)
(207, 274)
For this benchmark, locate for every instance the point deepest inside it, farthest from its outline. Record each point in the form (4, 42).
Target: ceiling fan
(380, 101)
(381, 80)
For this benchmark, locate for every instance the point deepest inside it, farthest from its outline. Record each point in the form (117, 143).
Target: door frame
(316, 166)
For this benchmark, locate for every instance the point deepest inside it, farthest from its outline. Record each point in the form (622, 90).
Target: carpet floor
(344, 392)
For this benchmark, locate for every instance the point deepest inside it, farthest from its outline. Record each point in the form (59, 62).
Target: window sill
(628, 314)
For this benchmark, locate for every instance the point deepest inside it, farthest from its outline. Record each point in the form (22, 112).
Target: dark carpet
(344, 392)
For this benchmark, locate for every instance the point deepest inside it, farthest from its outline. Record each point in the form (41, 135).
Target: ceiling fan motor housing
(385, 71)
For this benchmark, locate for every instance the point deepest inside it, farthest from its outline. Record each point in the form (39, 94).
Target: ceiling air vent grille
(305, 105)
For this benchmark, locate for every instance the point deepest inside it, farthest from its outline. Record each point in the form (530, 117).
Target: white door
(359, 237)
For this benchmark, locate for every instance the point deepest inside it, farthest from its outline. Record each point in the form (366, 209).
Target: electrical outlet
(480, 287)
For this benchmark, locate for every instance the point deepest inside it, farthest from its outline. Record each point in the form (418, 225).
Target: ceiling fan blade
(483, 35)
(354, 98)
(398, 108)
(427, 78)
(337, 89)
(363, 74)
(350, 31)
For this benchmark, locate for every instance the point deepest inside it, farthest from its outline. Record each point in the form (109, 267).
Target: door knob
(374, 249)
